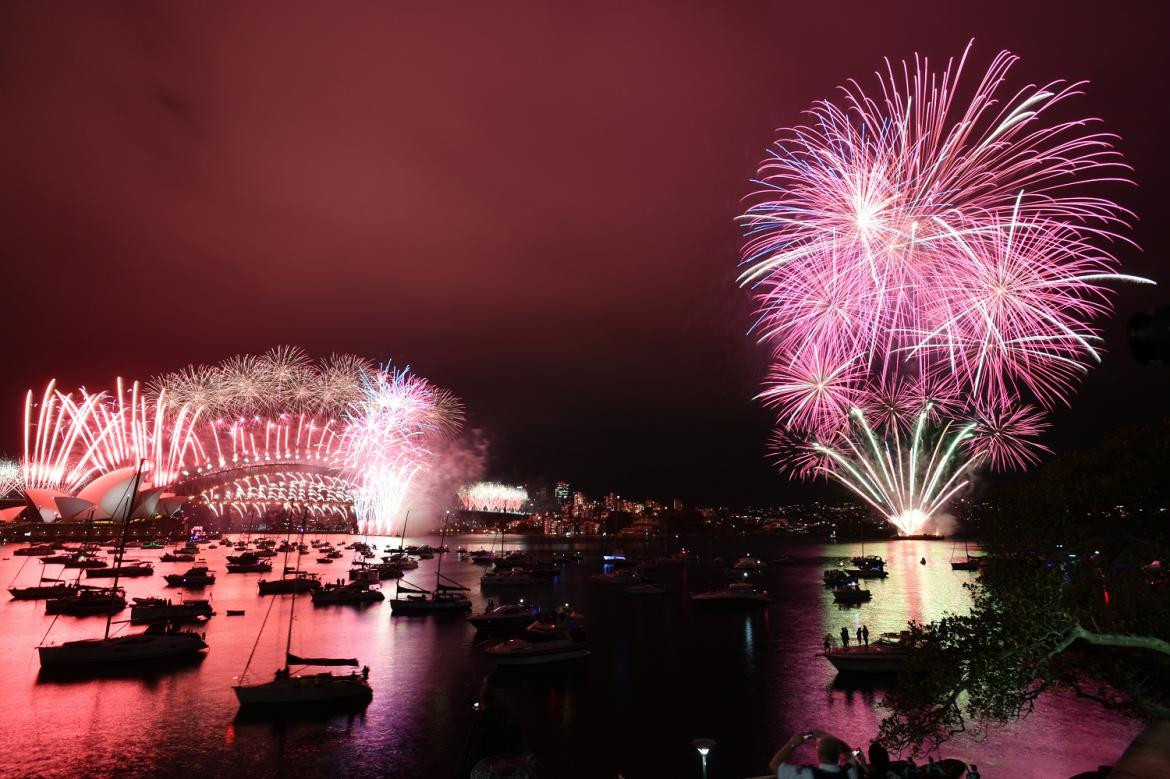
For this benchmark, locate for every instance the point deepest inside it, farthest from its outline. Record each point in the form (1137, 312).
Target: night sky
(530, 203)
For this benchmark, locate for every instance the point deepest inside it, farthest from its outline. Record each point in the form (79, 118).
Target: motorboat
(482, 556)
(507, 618)
(851, 593)
(867, 573)
(301, 582)
(164, 610)
(260, 566)
(888, 655)
(647, 588)
(401, 561)
(127, 568)
(171, 557)
(157, 642)
(838, 577)
(84, 601)
(868, 561)
(542, 643)
(197, 576)
(748, 563)
(622, 577)
(357, 592)
(735, 595)
(511, 577)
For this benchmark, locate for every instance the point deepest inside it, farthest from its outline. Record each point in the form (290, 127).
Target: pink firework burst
(1006, 438)
(928, 254)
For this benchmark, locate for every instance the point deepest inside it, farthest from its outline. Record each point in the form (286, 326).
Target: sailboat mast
(121, 549)
(292, 609)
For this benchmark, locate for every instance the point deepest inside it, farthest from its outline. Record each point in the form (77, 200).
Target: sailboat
(288, 689)
(969, 564)
(155, 643)
(448, 596)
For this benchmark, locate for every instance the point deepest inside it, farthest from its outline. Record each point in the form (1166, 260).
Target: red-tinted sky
(530, 203)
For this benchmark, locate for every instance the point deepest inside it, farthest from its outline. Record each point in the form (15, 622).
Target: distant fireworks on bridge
(251, 433)
(927, 271)
(493, 497)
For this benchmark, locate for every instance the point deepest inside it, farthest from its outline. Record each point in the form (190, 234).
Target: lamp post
(703, 746)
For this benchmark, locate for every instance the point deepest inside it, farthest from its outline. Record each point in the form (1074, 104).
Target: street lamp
(703, 745)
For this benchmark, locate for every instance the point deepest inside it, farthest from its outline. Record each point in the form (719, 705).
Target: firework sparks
(252, 433)
(493, 497)
(929, 259)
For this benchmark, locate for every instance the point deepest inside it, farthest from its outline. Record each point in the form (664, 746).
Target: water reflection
(661, 673)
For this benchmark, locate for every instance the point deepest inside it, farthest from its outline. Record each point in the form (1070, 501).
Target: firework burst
(928, 258)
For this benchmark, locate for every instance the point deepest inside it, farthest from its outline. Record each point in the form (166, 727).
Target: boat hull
(124, 649)
(884, 663)
(321, 688)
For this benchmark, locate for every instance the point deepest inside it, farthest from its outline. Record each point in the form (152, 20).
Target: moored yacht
(542, 643)
(155, 643)
(164, 610)
(735, 595)
(357, 592)
(851, 593)
(84, 601)
(502, 618)
(197, 576)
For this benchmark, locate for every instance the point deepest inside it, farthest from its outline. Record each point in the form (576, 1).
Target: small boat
(198, 576)
(154, 545)
(163, 610)
(970, 564)
(482, 557)
(81, 602)
(887, 655)
(301, 582)
(735, 595)
(171, 557)
(410, 599)
(542, 643)
(325, 560)
(357, 592)
(42, 591)
(401, 561)
(158, 642)
(622, 577)
(260, 566)
(78, 561)
(838, 577)
(647, 588)
(41, 550)
(510, 577)
(289, 689)
(867, 573)
(128, 568)
(868, 561)
(502, 619)
(235, 612)
(851, 593)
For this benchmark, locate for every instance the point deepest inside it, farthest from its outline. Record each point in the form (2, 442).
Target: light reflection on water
(660, 675)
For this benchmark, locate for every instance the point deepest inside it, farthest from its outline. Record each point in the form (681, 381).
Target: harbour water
(660, 675)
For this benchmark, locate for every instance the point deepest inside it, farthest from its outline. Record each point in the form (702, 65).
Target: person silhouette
(844, 638)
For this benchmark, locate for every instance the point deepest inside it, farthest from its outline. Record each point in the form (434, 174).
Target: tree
(1068, 599)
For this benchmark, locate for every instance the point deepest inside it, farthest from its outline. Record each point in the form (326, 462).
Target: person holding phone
(830, 752)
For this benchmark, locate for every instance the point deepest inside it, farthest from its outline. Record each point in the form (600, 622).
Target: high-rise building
(563, 493)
